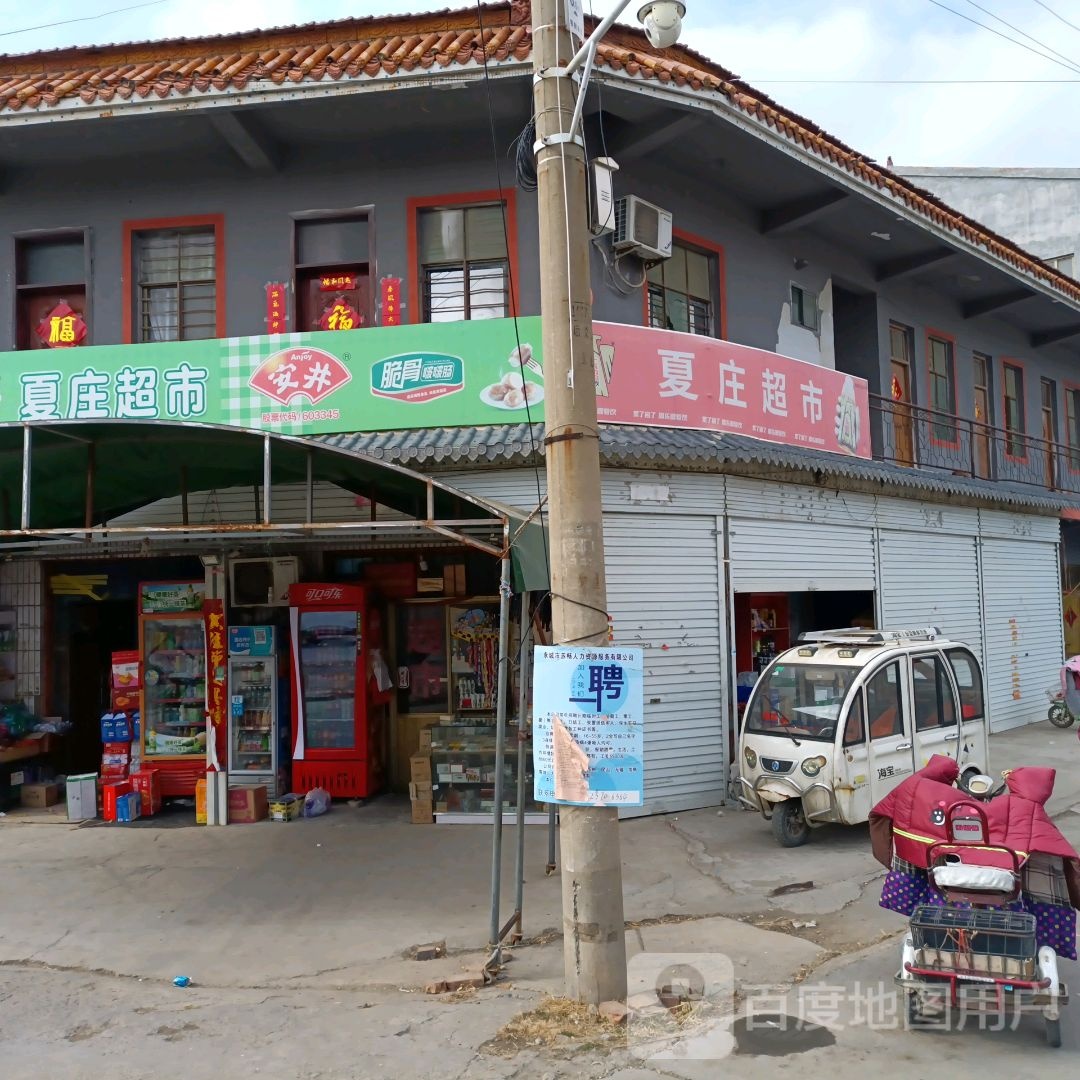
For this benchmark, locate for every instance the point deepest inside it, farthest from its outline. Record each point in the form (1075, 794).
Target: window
(854, 731)
(1014, 410)
(333, 290)
(464, 263)
(176, 283)
(884, 707)
(942, 374)
(50, 271)
(966, 670)
(935, 706)
(682, 292)
(1072, 425)
(804, 308)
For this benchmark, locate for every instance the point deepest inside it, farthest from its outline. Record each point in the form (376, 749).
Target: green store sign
(379, 379)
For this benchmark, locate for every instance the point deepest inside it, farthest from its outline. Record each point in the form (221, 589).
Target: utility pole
(594, 935)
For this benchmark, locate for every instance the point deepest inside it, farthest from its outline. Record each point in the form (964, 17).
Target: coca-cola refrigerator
(341, 690)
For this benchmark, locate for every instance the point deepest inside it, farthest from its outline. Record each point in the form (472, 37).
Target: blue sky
(793, 50)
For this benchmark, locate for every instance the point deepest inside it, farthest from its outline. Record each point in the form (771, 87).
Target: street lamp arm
(593, 39)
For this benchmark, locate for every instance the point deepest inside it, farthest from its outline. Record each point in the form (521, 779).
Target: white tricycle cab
(834, 724)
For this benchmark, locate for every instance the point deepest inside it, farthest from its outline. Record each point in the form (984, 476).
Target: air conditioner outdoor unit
(642, 229)
(262, 582)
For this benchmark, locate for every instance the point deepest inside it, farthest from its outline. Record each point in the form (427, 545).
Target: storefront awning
(67, 481)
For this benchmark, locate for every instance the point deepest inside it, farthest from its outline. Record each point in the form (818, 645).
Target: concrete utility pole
(594, 941)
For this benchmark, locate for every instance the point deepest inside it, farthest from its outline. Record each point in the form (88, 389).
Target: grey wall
(759, 269)
(1038, 208)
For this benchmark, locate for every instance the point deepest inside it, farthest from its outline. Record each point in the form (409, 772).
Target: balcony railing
(925, 438)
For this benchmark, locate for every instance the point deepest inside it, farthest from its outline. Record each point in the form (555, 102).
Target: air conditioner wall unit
(642, 229)
(262, 582)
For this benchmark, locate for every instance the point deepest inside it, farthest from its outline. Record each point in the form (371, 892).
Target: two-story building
(248, 190)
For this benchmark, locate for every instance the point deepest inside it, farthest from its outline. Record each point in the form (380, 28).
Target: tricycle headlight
(812, 766)
(751, 757)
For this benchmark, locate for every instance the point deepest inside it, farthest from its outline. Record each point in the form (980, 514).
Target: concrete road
(296, 935)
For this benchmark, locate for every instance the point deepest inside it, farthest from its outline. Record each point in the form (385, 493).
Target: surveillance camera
(662, 20)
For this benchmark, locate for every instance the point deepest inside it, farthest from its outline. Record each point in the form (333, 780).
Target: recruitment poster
(588, 726)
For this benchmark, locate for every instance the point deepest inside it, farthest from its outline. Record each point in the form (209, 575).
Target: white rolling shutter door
(664, 595)
(800, 556)
(1022, 597)
(931, 580)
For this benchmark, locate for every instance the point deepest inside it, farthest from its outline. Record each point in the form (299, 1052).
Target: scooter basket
(978, 940)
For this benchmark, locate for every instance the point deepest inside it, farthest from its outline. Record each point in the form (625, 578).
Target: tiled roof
(363, 49)
(626, 446)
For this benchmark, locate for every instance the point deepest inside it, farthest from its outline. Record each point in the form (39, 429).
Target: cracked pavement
(296, 938)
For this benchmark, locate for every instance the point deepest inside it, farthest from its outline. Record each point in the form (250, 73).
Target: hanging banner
(458, 374)
(588, 726)
(337, 283)
(216, 676)
(340, 315)
(277, 318)
(390, 288)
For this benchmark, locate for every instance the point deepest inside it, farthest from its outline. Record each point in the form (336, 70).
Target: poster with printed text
(588, 726)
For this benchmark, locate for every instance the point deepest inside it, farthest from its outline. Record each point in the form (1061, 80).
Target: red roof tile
(366, 48)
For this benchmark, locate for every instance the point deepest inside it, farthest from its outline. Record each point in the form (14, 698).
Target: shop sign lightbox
(588, 726)
(458, 374)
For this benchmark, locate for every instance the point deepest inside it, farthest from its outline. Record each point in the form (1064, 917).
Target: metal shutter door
(1024, 647)
(663, 588)
(800, 556)
(929, 580)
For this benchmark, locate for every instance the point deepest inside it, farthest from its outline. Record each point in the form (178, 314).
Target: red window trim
(1067, 388)
(127, 285)
(1009, 361)
(950, 339)
(710, 247)
(466, 198)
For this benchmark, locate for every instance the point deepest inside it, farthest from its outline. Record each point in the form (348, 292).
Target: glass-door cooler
(336, 741)
(253, 712)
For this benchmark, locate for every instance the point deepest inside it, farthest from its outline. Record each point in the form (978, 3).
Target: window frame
(129, 283)
(33, 236)
(349, 213)
(716, 254)
(942, 432)
(804, 292)
(459, 201)
(1014, 437)
(896, 665)
(1071, 393)
(942, 686)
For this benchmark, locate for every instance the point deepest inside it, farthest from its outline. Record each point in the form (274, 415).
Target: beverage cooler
(253, 712)
(340, 690)
(172, 648)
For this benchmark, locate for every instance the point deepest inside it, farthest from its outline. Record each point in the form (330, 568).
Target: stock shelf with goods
(253, 712)
(172, 642)
(340, 690)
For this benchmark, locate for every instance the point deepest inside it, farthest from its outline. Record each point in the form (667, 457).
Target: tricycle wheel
(1059, 715)
(789, 825)
(1053, 1032)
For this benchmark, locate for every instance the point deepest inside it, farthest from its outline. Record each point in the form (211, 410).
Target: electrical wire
(975, 22)
(1022, 33)
(82, 18)
(1047, 7)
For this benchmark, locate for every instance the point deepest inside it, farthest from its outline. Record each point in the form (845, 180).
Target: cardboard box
(425, 739)
(420, 769)
(420, 791)
(429, 585)
(147, 782)
(128, 808)
(422, 812)
(454, 579)
(200, 802)
(287, 808)
(248, 805)
(39, 795)
(82, 797)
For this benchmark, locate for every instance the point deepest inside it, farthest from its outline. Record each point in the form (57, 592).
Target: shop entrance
(92, 613)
